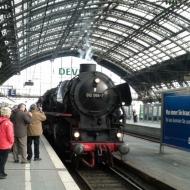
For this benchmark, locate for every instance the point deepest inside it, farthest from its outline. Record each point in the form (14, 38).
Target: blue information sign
(176, 120)
(11, 92)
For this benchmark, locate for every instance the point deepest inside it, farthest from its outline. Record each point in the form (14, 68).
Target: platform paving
(47, 174)
(171, 167)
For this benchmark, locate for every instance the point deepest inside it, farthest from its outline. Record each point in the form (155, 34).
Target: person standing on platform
(21, 119)
(35, 131)
(6, 138)
(134, 116)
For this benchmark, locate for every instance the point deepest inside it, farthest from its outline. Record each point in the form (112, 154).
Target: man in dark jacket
(20, 119)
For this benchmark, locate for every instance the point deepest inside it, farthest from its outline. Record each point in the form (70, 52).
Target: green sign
(68, 71)
(171, 2)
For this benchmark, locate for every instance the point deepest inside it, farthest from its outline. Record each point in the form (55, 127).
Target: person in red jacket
(6, 138)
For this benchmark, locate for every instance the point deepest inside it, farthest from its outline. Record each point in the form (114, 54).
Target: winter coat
(35, 128)
(6, 133)
(20, 121)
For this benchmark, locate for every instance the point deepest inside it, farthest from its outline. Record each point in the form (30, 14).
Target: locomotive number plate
(94, 95)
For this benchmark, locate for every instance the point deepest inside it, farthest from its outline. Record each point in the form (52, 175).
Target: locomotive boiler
(85, 116)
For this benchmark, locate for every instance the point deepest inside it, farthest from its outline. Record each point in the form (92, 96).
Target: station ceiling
(146, 42)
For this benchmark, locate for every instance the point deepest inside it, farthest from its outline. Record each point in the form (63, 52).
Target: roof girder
(36, 18)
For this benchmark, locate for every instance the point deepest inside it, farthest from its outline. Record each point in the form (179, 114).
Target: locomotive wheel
(48, 131)
(58, 136)
(75, 160)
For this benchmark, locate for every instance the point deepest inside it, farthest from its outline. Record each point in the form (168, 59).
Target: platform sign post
(176, 120)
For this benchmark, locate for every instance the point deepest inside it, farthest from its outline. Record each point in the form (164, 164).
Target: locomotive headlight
(97, 80)
(119, 135)
(76, 134)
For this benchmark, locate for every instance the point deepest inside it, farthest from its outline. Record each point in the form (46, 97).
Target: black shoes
(22, 162)
(3, 176)
(37, 159)
(29, 159)
(25, 162)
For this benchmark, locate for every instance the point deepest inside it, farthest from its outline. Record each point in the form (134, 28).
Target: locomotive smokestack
(87, 67)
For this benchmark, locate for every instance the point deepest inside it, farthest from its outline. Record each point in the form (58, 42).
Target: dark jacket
(35, 128)
(20, 121)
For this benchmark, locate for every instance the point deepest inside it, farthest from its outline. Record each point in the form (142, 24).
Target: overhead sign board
(176, 120)
(68, 71)
(11, 92)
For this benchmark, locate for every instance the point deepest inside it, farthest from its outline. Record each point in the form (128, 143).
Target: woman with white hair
(6, 138)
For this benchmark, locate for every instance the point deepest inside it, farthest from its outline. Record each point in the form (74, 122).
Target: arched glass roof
(147, 42)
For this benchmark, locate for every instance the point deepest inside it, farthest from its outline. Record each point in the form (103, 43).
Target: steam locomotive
(85, 116)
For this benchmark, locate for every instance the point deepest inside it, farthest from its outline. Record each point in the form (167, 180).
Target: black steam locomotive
(85, 116)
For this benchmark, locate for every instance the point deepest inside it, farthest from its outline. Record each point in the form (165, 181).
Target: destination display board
(176, 120)
(11, 92)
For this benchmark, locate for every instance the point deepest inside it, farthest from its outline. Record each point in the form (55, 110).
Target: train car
(85, 116)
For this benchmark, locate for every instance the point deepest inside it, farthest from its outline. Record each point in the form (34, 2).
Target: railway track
(106, 179)
(119, 177)
(138, 177)
(151, 138)
(149, 133)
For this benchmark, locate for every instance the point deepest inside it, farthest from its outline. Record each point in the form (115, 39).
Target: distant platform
(47, 174)
(171, 167)
(154, 124)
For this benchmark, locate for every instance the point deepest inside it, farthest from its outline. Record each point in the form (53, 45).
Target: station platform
(155, 124)
(47, 174)
(171, 167)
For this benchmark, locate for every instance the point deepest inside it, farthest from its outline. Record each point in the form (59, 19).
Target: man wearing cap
(21, 119)
(34, 132)
(6, 138)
